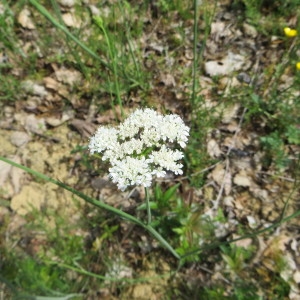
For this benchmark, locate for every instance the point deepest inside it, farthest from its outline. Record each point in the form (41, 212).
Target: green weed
(26, 276)
(236, 257)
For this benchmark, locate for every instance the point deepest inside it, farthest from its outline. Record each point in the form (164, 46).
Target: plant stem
(148, 206)
(195, 54)
(97, 203)
(113, 57)
(199, 49)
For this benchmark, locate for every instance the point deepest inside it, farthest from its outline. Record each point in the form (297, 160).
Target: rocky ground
(49, 110)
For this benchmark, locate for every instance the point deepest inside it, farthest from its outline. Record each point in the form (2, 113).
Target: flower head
(290, 32)
(298, 65)
(139, 148)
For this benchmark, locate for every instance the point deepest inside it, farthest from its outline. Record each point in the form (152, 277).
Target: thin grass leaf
(60, 26)
(97, 203)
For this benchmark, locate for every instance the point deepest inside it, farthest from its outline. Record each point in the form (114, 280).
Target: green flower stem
(77, 268)
(96, 203)
(148, 206)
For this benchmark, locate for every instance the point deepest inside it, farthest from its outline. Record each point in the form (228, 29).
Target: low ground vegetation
(230, 70)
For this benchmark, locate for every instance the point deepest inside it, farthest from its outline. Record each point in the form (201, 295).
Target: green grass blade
(46, 14)
(246, 236)
(96, 203)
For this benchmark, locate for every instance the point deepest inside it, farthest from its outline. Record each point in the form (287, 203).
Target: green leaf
(170, 192)
(158, 192)
(153, 205)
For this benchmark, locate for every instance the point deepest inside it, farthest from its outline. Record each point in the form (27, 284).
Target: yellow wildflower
(290, 32)
(298, 65)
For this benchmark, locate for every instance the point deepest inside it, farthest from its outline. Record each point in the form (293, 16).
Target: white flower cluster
(138, 148)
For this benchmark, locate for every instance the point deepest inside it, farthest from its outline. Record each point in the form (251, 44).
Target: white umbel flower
(167, 158)
(139, 148)
(131, 171)
(104, 138)
(173, 129)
